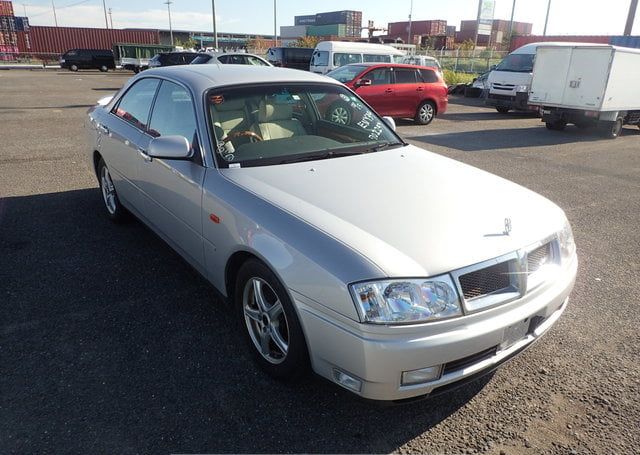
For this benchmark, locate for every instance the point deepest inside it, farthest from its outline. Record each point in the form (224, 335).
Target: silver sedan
(389, 270)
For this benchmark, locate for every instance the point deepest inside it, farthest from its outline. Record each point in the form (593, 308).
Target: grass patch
(453, 78)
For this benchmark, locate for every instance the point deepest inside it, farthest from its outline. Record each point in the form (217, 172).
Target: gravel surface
(109, 342)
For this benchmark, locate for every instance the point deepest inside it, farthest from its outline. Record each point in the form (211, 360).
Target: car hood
(409, 211)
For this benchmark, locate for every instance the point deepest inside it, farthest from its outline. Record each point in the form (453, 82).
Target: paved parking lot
(109, 342)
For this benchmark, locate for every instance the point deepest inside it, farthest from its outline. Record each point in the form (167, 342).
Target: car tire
(426, 113)
(339, 113)
(271, 329)
(502, 109)
(115, 210)
(73, 68)
(613, 130)
(557, 125)
(104, 68)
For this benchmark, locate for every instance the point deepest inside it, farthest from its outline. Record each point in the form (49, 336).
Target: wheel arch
(96, 160)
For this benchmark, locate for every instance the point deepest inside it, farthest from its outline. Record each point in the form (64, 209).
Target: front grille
(460, 364)
(508, 87)
(539, 257)
(500, 97)
(486, 281)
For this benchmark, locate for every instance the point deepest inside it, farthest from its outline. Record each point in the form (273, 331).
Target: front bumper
(466, 347)
(518, 101)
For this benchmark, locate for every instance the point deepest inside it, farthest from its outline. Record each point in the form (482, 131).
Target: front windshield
(346, 73)
(517, 63)
(280, 123)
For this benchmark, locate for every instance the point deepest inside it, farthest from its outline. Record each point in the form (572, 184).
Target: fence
(472, 61)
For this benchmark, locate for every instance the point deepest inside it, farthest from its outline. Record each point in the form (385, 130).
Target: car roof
(219, 53)
(386, 65)
(204, 77)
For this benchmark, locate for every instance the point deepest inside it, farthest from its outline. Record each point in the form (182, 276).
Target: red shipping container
(6, 8)
(24, 41)
(519, 41)
(61, 39)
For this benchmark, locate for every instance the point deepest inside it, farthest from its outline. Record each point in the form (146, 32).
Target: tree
(306, 41)
(259, 45)
(466, 45)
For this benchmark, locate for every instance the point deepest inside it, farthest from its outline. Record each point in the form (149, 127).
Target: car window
(340, 59)
(379, 76)
(428, 76)
(200, 59)
(224, 59)
(320, 58)
(269, 124)
(405, 76)
(346, 73)
(376, 58)
(135, 105)
(173, 113)
(251, 60)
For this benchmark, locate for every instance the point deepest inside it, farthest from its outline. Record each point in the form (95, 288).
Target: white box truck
(588, 86)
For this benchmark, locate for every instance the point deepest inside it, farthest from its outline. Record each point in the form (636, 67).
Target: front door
(379, 94)
(407, 91)
(172, 189)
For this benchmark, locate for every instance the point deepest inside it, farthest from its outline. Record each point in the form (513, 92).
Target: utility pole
(111, 18)
(275, 23)
(546, 21)
(24, 7)
(55, 17)
(475, 41)
(409, 29)
(168, 3)
(513, 11)
(215, 30)
(104, 7)
(631, 17)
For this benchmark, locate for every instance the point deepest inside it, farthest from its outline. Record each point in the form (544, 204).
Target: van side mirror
(363, 83)
(171, 147)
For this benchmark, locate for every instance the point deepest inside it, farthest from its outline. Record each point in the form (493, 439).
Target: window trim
(115, 105)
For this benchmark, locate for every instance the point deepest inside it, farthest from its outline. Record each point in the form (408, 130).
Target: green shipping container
(325, 30)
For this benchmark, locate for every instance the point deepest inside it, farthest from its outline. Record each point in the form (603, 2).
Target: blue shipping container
(625, 41)
(22, 24)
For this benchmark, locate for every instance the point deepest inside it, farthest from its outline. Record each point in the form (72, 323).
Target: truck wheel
(613, 130)
(557, 125)
(73, 67)
(502, 109)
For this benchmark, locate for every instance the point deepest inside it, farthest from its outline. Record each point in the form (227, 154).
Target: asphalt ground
(110, 343)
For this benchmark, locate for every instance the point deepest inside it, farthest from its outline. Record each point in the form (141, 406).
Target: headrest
(230, 105)
(272, 112)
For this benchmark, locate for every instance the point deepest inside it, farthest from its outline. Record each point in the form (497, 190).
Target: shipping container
(61, 39)
(6, 8)
(23, 42)
(8, 23)
(322, 30)
(293, 31)
(339, 17)
(22, 24)
(8, 38)
(625, 41)
(305, 20)
(519, 41)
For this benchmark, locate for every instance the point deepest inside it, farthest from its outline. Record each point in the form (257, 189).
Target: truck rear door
(550, 75)
(587, 77)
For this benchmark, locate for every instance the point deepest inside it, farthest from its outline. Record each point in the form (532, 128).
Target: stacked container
(8, 35)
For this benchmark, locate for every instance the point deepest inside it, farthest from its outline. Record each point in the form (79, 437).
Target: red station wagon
(394, 90)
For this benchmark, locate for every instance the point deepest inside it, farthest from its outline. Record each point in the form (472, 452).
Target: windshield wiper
(323, 155)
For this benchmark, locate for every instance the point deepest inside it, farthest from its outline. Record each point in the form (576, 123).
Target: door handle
(103, 129)
(145, 156)
(420, 89)
(389, 90)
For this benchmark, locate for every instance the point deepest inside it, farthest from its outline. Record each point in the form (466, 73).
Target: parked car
(77, 59)
(421, 60)
(172, 58)
(290, 57)
(136, 57)
(329, 55)
(235, 58)
(394, 90)
(380, 265)
(479, 87)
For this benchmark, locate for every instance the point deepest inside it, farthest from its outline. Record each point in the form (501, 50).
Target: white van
(421, 60)
(510, 80)
(329, 55)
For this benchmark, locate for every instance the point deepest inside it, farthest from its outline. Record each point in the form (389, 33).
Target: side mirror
(363, 83)
(492, 67)
(391, 123)
(172, 147)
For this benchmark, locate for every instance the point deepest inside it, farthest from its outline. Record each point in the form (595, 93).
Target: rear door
(172, 189)
(407, 91)
(587, 77)
(121, 132)
(550, 75)
(379, 95)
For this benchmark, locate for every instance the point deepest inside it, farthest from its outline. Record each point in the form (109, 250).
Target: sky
(567, 17)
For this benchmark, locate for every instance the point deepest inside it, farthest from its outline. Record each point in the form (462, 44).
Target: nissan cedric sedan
(389, 270)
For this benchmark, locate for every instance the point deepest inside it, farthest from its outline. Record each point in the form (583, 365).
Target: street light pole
(409, 30)
(55, 17)
(631, 17)
(275, 23)
(168, 3)
(215, 30)
(513, 11)
(546, 21)
(111, 18)
(104, 7)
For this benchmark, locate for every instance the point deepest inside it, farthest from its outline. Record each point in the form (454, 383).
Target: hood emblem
(507, 226)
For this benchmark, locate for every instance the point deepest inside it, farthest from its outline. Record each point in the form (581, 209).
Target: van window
(340, 59)
(320, 58)
(517, 63)
(377, 58)
(428, 76)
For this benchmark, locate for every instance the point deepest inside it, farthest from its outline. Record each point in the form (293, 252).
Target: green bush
(453, 78)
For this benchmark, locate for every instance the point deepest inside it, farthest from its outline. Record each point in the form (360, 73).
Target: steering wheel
(246, 133)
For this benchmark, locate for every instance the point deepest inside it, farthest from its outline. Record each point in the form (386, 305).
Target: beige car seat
(275, 121)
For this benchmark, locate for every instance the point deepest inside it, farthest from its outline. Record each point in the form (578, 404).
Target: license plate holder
(515, 333)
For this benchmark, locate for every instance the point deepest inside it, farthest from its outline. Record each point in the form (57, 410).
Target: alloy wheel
(108, 191)
(266, 320)
(426, 113)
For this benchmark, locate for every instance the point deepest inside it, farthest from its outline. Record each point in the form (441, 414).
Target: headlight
(406, 301)
(567, 244)
(522, 88)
